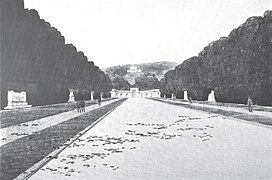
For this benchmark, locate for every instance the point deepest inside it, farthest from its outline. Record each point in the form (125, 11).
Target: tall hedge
(236, 66)
(35, 59)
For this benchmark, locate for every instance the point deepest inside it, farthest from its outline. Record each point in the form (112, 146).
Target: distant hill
(156, 68)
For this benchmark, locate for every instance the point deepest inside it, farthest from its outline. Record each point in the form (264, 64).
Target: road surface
(145, 139)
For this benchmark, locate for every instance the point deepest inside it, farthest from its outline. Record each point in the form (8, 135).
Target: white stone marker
(211, 97)
(92, 95)
(185, 93)
(17, 100)
(71, 96)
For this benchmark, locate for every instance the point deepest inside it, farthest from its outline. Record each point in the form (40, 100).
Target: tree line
(35, 59)
(235, 67)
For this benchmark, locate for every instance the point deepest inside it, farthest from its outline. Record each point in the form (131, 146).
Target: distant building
(134, 69)
(135, 93)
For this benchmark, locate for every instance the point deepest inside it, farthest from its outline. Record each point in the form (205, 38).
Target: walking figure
(190, 99)
(99, 100)
(80, 106)
(249, 104)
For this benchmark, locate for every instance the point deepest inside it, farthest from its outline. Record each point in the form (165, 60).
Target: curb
(36, 167)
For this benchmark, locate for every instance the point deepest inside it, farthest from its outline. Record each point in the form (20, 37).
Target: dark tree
(236, 66)
(35, 59)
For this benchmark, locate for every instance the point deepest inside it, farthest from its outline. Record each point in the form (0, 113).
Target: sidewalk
(14, 132)
(243, 110)
(18, 116)
(257, 117)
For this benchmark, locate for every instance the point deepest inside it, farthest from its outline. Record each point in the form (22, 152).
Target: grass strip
(18, 116)
(255, 107)
(19, 155)
(248, 117)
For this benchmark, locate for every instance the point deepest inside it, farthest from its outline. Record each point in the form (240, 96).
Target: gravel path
(145, 139)
(14, 132)
(243, 110)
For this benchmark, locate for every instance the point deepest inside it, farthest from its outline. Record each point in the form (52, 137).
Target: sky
(118, 32)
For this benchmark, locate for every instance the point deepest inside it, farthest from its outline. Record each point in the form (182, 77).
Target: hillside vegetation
(236, 66)
(150, 74)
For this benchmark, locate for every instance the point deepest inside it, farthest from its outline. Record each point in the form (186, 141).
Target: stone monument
(185, 93)
(211, 97)
(134, 69)
(71, 96)
(135, 93)
(92, 92)
(113, 93)
(17, 100)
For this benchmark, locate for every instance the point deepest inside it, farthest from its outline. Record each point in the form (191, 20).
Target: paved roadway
(145, 139)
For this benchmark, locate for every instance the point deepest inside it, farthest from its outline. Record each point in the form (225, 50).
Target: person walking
(82, 106)
(99, 100)
(78, 106)
(190, 99)
(249, 104)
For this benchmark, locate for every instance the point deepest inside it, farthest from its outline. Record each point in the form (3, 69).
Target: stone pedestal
(71, 96)
(211, 97)
(113, 93)
(17, 100)
(92, 98)
(173, 96)
(185, 93)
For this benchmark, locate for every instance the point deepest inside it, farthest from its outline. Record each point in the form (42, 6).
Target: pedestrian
(82, 105)
(190, 99)
(99, 100)
(78, 106)
(249, 104)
